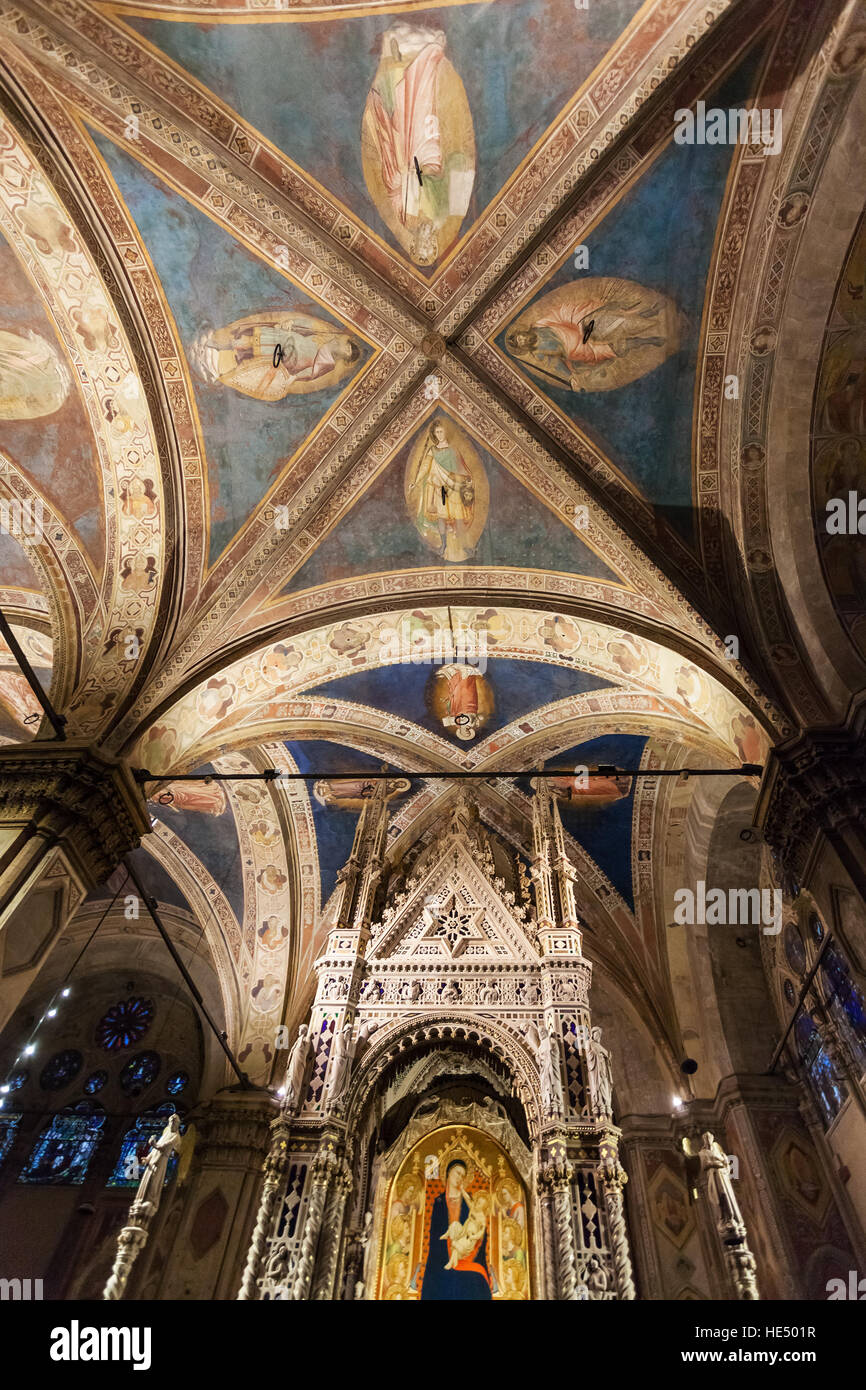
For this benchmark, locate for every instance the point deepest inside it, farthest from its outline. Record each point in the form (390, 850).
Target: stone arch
(430, 1030)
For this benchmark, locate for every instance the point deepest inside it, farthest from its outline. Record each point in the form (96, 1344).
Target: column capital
(85, 799)
(816, 782)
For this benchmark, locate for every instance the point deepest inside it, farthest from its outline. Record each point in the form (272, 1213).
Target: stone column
(273, 1191)
(739, 1259)
(324, 1169)
(547, 1230)
(332, 1234)
(556, 1176)
(613, 1180)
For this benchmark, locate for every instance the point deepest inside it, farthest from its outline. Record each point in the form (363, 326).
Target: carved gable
(452, 911)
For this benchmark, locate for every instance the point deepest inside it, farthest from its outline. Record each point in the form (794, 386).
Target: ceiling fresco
(461, 699)
(488, 518)
(44, 429)
(467, 90)
(232, 313)
(613, 336)
(20, 712)
(16, 565)
(201, 815)
(598, 812)
(372, 464)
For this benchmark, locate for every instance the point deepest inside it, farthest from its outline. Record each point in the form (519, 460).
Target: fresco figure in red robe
(596, 334)
(417, 123)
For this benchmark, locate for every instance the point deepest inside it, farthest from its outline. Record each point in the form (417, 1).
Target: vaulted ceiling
(341, 337)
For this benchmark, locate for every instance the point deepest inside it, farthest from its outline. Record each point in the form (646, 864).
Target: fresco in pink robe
(417, 112)
(596, 333)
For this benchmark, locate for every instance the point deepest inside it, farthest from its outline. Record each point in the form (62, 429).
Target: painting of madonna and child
(454, 1224)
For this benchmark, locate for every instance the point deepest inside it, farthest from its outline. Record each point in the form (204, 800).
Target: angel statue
(548, 1058)
(296, 1069)
(600, 1073)
(340, 1064)
(156, 1163)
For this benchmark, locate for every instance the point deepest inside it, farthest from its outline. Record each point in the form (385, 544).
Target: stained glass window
(794, 949)
(8, 1125)
(139, 1072)
(129, 1167)
(845, 1001)
(176, 1083)
(64, 1149)
(15, 1081)
(95, 1082)
(790, 993)
(816, 927)
(124, 1024)
(823, 1080)
(60, 1069)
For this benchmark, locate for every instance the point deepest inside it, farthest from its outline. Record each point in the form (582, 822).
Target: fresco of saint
(417, 111)
(446, 492)
(842, 395)
(16, 695)
(138, 500)
(590, 792)
(596, 334)
(206, 797)
(34, 380)
(350, 795)
(275, 354)
(461, 698)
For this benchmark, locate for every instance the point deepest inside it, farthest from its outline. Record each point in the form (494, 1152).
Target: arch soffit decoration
(240, 689)
(786, 280)
(69, 279)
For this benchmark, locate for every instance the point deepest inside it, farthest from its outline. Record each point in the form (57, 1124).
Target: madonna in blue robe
(470, 1281)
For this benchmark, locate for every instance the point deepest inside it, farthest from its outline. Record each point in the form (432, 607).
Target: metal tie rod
(142, 774)
(150, 904)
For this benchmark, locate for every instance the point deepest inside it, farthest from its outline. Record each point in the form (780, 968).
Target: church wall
(840, 908)
(200, 1244)
(673, 1258)
(742, 996)
(684, 854)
